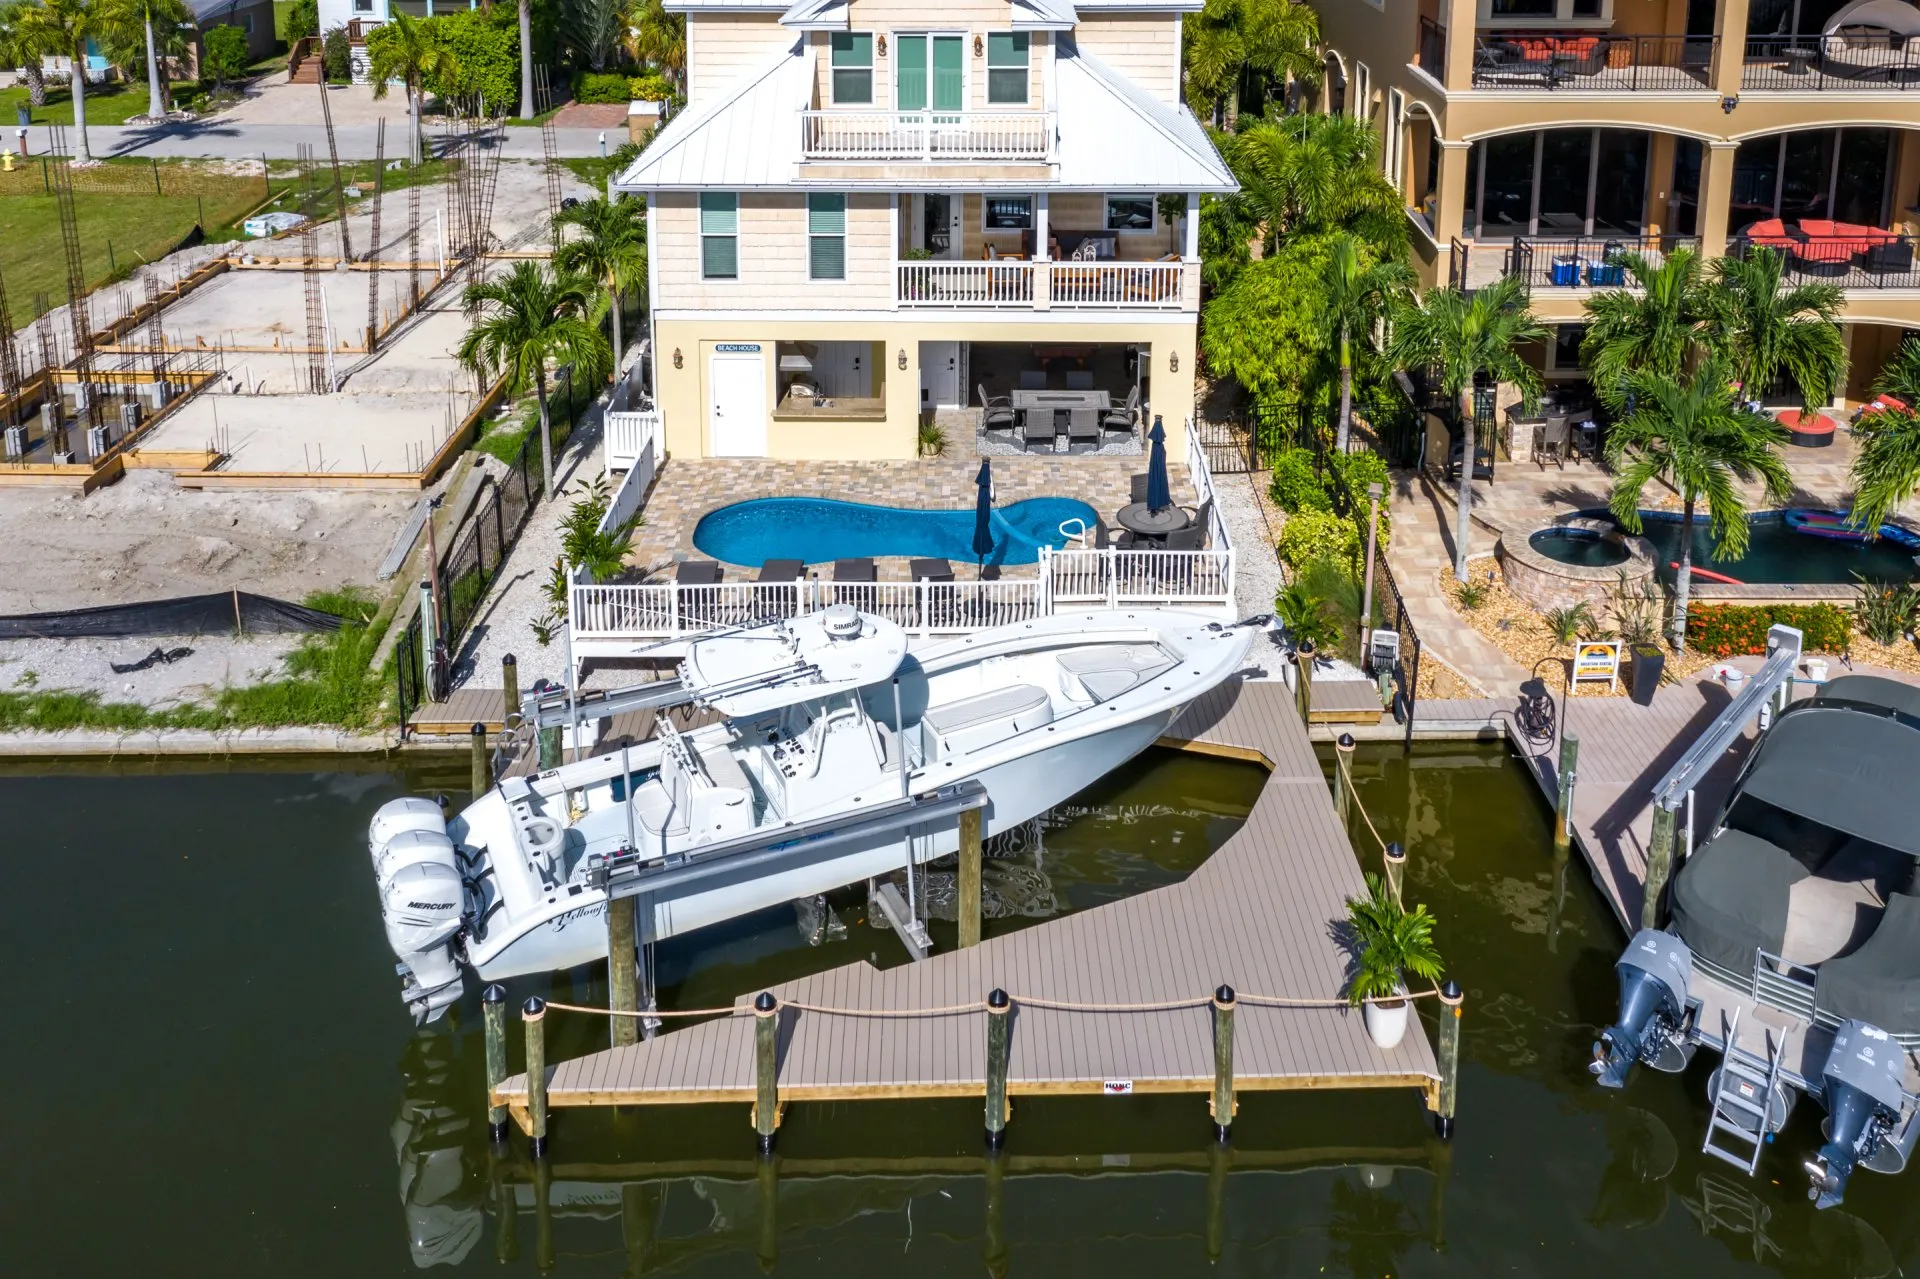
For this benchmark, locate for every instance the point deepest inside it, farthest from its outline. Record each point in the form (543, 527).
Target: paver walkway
(1421, 546)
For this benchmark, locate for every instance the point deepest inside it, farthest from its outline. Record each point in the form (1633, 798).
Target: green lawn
(122, 223)
(106, 104)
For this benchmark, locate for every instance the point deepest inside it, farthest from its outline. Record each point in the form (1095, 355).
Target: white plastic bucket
(1817, 669)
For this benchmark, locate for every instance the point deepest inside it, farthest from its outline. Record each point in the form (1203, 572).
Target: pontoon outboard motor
(422, 901)
(1653, 999)
(1863, 1074)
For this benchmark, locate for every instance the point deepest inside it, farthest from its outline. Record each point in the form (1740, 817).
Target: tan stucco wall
(683, 396)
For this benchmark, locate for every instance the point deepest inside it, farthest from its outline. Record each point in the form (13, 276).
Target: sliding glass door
(929, 73)
(1558, 182)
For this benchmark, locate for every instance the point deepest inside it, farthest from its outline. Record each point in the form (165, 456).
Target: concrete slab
(314, 434)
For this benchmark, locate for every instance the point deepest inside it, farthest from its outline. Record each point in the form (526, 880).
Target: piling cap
(494, 994)
(1396, 852)
(1224, 995)
(509, 660)
(534, 1007)
(1304, 648)
(996, 998)
(478, 729)
(1450, 992)
(764, 1002)
(1346, 742)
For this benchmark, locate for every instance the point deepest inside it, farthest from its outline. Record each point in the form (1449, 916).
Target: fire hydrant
(6, 162)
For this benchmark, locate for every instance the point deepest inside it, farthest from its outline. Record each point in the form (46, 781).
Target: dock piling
(993, 1239)
(493, 1006)
(482, 770)
(1563, 803)
(623, 969)
(1223, 1104)
(1343, 750)
(506, 1213)
(1219, 1163)
(767, 1183)
(509, 691)
(1395, 858)
(1449, 1093)
(1659, 865)
(1303, 682)
(999, 1007)
(766, 1105)
(969, 884)
(533, 1014)
(544, 1255)
(639, 1204)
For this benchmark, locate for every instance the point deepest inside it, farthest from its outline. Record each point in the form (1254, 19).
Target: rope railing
(1346, 775)
(980, 1005)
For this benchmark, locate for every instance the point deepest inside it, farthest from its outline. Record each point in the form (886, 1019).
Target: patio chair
(1038, 430)
(1191, 538)
(996, 410)
(1550, 441)
(1126, 417)
(1138, 489)
(850, 576)
(784, 603)
(701, 606)
(1200, 515)
(1033, 379)
(1083, 429)
(1079, 380)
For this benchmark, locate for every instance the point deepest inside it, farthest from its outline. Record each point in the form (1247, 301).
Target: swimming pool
(818, 530)
(1776, 553)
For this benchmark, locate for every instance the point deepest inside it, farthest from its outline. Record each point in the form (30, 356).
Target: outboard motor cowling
(398, 816)
(1654, 974)
(1863, 1077)
(422, 900)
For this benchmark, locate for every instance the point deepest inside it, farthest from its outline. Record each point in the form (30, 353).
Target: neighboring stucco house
(869, 211)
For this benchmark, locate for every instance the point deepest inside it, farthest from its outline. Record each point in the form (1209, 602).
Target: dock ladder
(1742, 1100)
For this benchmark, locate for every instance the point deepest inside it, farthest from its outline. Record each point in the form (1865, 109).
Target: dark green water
(210, 1074)
(1775, 553)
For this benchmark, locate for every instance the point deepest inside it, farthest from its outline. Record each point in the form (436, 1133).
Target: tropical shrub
(485, 44)
(1636, 611)
(336, 57)
(590, 86)
(1318, 535)
(303, 20)
(1886, 610)
(1730, 630)
(651, 87)
(1296, 484)
(1305, 616)
(1395, 943)
(1472, 592)
(1569, 623)
(226, 56)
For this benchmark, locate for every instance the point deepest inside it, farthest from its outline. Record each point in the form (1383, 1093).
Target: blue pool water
(817, 530)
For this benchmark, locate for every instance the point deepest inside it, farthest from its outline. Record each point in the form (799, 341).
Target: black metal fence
(1857, 63)
(410, 673)
(1587, 262)
(1593, 63)
(1384, 422)
(1389, 607)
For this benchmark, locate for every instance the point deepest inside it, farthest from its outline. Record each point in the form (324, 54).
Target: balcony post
(1449, 209)
(1716, 190)
(1190, 250)
(1460, 17)
(1730, 20)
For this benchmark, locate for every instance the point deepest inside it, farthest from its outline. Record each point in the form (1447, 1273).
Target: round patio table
(1142, 521)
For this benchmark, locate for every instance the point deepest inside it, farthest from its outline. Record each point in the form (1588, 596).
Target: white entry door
(737, 418)
(940, 376)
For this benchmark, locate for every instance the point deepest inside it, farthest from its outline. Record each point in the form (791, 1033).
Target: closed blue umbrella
(983, 513)
(1159, 492)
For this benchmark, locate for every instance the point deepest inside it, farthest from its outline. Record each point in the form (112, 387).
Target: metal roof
(1113, 136)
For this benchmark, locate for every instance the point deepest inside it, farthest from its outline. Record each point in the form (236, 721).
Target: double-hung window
(827, 236)
(719, 235)
(1006, 67)
(1130, 212)
(852, 68)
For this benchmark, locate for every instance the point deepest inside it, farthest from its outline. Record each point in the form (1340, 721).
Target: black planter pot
(1648, 665)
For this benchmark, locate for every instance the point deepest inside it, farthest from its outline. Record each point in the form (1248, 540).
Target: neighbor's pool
(1776, 553)
(817, 530)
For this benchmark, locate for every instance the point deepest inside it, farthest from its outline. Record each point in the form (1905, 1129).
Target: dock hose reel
(1654, 973)
(1863, 1076)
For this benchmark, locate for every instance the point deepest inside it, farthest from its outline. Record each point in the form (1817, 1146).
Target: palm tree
(1700, 439)
(64, 27)
(1772, 329)
(136, 21)
(1465, 336)
(1305, 173)
(1654, 326)
(611, 249)
(1236, 46)
(1359, 287)
(526, 60)
(660, 38)
(596, 28)
(22, 46)
(403, 52)
(1886, 467)
(536, 315)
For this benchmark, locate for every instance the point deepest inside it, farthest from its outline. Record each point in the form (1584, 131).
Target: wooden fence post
(533, 1014)
(998, 1010)
(493, 1007)
(1563, 803)
(1449, 1094)
(1223, 1104)
(1659, 865)
(766, 1104)
(969, 881)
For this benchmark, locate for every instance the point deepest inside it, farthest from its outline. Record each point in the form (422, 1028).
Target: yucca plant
(1394, 943)
(1472, 592)
(933, 440)
(1569, 623)
(1885, 611)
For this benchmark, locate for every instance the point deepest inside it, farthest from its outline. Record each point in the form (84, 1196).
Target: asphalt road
(215, 139)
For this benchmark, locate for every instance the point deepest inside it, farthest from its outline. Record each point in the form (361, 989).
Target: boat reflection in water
(434, 1141)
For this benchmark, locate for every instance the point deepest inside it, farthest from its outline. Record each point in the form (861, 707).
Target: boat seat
(1730, 899)
(985, 718)
(664, 806)
(1100, 674)
(721, 768)
(1880, 982)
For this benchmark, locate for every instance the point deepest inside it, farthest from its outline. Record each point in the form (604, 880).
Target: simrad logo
(429, 905)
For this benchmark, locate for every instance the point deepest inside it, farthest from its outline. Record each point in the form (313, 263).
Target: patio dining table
(1152, 525)
(1026, 401)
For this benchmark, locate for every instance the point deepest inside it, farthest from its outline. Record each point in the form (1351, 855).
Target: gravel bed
(1256, 570)
(217, 662)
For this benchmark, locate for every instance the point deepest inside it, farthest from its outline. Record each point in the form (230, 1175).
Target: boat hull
(1019, 790)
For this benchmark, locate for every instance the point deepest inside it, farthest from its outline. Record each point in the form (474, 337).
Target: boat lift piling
(533, 1015)
(509, 692)
(968, 879)
(1449, 1092)
(1563, 801)
(1223, 1104)
(493, 1007)
(482, 773)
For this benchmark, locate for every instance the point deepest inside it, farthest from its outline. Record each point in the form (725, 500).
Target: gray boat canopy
(1848, 769)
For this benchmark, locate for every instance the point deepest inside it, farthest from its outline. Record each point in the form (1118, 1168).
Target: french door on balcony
(929, 73)
(1557, 182)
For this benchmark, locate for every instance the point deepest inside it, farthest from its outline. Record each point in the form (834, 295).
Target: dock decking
(1260, 915)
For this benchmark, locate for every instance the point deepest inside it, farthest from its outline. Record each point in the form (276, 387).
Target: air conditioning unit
(16, 443)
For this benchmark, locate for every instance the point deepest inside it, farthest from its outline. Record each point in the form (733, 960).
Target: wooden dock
(1090, 991)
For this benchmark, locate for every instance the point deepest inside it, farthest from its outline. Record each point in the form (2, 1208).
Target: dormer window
(853, 68)
(1006, 67)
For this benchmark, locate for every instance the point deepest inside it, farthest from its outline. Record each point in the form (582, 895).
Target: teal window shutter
(1007, 67)
(719, 235)
(827, 236)
(910, 73)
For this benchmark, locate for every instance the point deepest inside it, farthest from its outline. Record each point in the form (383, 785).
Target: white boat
(833, 737)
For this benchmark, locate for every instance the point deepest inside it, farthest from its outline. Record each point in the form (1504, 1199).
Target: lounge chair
(996, 410)
(780, 602)
(853, 579)
(697, 573)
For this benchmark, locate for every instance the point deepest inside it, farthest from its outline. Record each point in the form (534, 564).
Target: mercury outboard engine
(1863, 1074)
(1654, 973)
(422, 901)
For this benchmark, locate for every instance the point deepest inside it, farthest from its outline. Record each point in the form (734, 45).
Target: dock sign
(1597, 659)
(1117, 1087)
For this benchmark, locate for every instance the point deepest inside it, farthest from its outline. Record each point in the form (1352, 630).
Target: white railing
(927, 135)
(1030, 285)
(1115, 578)
(631, 434)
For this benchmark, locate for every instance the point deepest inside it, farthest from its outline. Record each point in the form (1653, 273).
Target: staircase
(303, 64)
(1745, 1091)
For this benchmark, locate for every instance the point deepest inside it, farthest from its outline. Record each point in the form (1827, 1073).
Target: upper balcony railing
(1025, 286)
(1550, 264)
(1834, 63)
(927, 135)
(1596, 63)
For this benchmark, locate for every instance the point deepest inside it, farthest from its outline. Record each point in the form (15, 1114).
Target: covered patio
(1052, 397)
